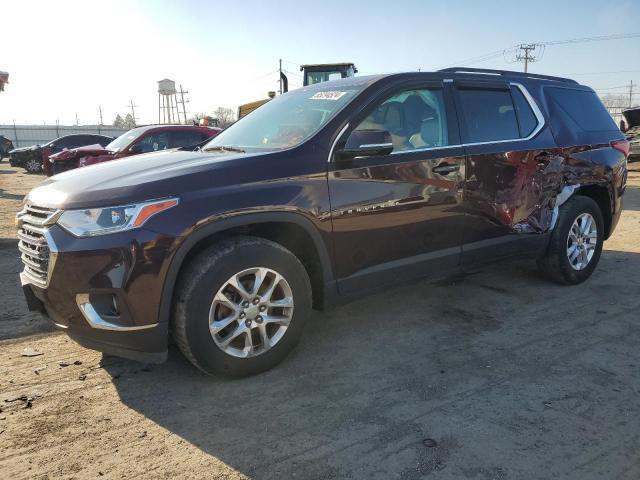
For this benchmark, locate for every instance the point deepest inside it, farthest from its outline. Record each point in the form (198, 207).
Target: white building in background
(4, 78)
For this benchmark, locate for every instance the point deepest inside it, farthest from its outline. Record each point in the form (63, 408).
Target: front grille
(32, 241)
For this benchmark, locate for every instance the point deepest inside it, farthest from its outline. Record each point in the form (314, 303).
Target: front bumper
(16, 160)
(105, 292)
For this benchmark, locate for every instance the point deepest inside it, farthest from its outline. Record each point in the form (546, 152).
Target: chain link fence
(27, 135)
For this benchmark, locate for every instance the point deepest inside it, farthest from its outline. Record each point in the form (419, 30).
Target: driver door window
(415, 119)
(154, 142)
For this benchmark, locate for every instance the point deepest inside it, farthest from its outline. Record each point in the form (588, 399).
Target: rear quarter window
(581, 109)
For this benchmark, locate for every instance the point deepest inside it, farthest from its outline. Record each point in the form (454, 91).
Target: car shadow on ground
(421, 378)
(631, 199)
(10, 196)
(15, 320)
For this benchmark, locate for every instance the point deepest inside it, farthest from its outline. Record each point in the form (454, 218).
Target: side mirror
(135, 149)
(366, 143)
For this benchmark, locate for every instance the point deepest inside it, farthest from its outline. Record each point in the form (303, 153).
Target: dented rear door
(513, 170)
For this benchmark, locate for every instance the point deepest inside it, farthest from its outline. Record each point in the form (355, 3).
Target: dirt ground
(498, 375)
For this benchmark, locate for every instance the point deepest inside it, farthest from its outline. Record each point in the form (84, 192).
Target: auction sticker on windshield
(327, 95)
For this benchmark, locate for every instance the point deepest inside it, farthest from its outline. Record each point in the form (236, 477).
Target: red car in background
(138, 140)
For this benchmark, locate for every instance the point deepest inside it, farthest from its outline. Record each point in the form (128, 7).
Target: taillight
(622, 146)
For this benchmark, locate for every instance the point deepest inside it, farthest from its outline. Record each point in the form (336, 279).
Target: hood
(143, 177)
(73, 153)
(632, 117)
(24, 149)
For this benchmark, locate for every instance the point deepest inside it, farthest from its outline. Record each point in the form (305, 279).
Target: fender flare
(221, 225)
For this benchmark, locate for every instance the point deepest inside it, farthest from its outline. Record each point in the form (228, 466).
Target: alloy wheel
(251, 312)
(32, 165)
(582, 241)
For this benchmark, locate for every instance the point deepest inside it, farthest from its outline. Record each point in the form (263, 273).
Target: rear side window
(488, 115)
(582, 108)
(527, 120)
(185, 138)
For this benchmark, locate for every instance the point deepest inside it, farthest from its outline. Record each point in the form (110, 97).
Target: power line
(480, 58)
(297, 64)
(597, 38)
(497, 53)
(612, 88)
(602, 73)
(292, 73)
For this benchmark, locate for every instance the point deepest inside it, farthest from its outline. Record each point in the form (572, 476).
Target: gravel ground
(496, 375)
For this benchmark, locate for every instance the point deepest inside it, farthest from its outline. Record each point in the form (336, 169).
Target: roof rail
(507, 73)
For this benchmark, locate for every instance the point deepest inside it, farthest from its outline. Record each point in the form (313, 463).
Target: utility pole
(77, 121)
(631, 94)
(526, 56)
(100, 113)
(280, 69)
(133, 112)
(184, 108)
(15, 134)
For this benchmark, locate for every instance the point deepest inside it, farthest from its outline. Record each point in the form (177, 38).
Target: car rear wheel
(240, 306)
(576, 242)
(33, 165)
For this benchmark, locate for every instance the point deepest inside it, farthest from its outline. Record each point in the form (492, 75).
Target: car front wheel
(33, 165)
(240, 306)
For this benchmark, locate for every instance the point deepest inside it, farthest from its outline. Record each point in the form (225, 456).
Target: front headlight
(100, 221)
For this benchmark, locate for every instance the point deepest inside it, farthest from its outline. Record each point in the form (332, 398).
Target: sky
(72, 57)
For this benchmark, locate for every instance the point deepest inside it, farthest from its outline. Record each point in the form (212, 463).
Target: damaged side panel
(512, 199)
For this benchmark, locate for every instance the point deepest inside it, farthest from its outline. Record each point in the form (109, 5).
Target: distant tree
(196, 117)
(129, 121)
(225, 116)
(615, 101)
(118, 122)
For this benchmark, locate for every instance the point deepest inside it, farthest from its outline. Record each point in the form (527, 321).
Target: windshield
(285, 121)
(123, 140)
(319, 77)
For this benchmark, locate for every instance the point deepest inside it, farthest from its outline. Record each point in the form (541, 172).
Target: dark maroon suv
(323, 193)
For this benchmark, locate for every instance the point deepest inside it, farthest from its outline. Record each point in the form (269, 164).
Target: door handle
(445, 169)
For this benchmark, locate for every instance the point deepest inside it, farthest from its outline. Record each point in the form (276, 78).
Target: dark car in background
(32, 158)
(323, 193)
(6, 146)
(632, 118)
(19, 156)
(138, 140)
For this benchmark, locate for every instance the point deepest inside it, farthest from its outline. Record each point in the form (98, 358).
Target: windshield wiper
(224, 148)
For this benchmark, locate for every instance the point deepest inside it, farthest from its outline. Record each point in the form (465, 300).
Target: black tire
(205, 275)
(555, 264)
(33, 166)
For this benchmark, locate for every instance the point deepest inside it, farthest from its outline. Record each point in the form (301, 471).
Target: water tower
(4, 78)
(167, 102)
